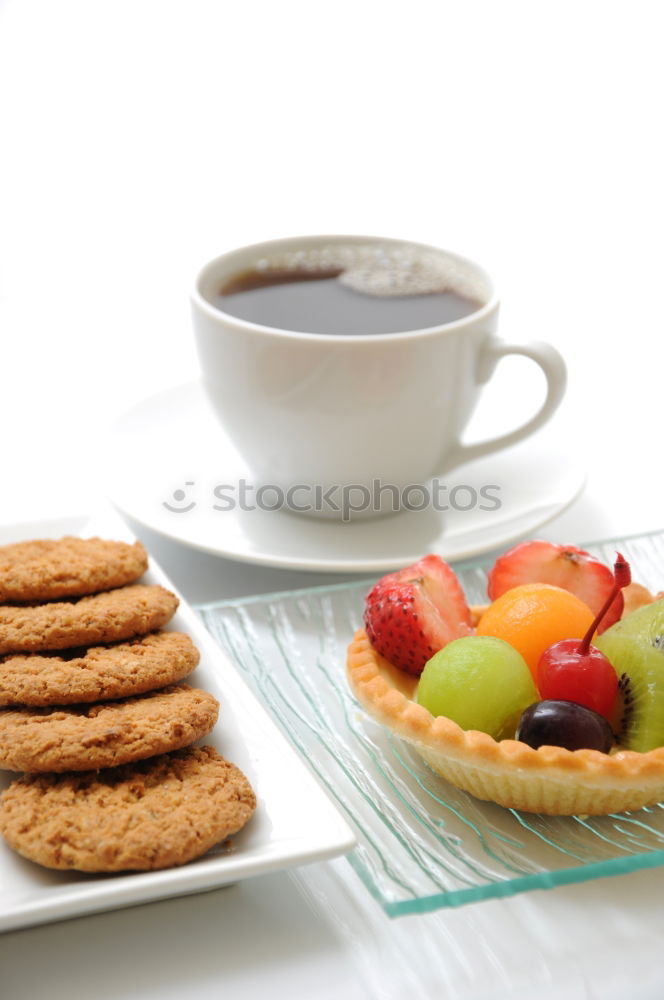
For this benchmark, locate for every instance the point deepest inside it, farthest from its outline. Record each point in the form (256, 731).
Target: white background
(142, 137)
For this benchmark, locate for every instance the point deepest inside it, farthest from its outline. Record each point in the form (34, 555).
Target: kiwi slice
(636, 654)
(646, 623)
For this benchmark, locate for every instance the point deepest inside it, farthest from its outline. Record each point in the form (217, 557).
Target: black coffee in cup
(351, 290)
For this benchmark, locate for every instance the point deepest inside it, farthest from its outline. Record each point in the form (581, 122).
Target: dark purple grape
(564, 724)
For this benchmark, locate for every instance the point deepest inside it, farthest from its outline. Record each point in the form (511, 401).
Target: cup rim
(214, 312)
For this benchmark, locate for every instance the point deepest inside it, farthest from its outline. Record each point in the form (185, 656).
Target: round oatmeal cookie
(106, 734)
(45, 569)
(153, 814)
(98, 673)
(107, 617)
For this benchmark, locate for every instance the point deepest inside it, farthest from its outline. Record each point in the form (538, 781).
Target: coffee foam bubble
(384, 270)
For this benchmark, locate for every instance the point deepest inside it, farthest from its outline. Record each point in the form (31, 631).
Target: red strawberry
(411, 614)
(561, 565)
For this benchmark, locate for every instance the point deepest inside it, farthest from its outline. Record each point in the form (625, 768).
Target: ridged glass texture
(423, 844)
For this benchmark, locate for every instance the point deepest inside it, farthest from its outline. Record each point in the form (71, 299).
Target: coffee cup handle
(555, 371)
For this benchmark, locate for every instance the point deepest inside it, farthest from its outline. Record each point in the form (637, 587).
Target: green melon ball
(480, 682)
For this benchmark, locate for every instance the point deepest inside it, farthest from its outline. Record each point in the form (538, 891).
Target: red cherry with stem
(573, 670)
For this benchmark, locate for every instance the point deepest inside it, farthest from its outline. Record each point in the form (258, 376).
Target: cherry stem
(622, 576)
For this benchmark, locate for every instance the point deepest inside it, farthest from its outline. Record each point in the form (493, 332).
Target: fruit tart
(548, 699)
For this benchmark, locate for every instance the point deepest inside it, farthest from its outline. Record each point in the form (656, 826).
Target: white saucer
(169, 449)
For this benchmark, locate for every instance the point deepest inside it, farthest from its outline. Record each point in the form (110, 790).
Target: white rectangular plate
(295, 823)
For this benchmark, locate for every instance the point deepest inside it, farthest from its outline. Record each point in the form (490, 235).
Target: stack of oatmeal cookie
(91, 709)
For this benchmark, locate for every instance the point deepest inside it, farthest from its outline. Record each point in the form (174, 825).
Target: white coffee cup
(329, 411)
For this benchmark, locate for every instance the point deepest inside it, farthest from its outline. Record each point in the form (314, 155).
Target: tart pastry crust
(550, 780)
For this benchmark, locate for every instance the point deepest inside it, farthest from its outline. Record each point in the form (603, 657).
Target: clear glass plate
(422, 844)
